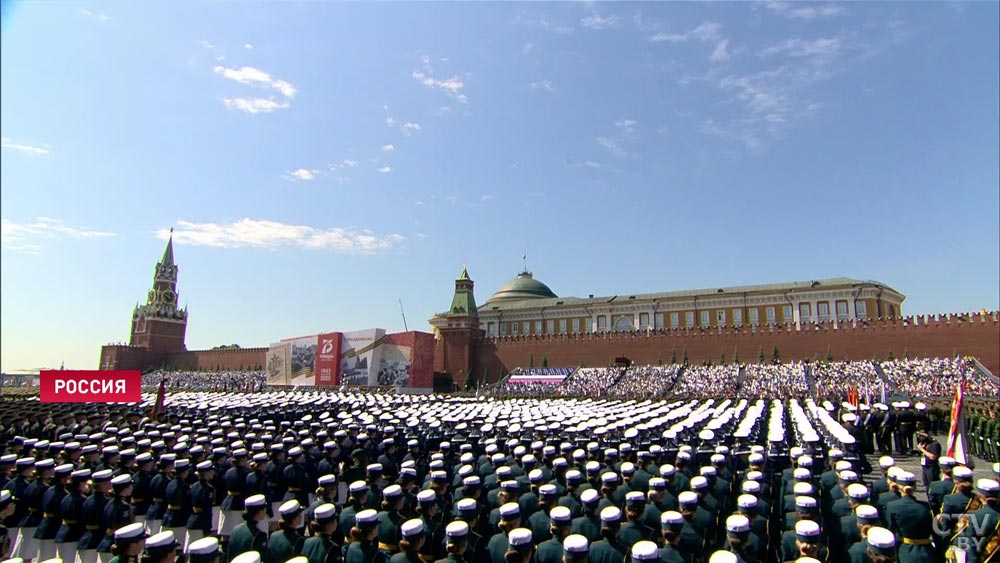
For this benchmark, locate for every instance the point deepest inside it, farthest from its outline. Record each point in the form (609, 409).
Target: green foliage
(775, 355)
(470, 383)
(685, 357)
(890, 357)
(736, 355)
(673, 355)
(659, 358)
(545, 361)
(531, 361)
(829, 353)
(760, 355)
(722, 359)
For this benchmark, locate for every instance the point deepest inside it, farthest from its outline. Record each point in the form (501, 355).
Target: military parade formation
(329, 477)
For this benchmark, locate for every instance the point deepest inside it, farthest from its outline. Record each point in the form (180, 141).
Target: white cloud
(805, 10)
(410, 127)
(388, 148)
(248, 46)
(30, 150)
(349, 163)
(451, 86)
(627, 125)
(705, 32)
(544, 85)
(23, 237)
(304, 174)
(541, 21)
(256, 77)
(255, 105)
(206, 44)
(487, 197)
(795, 47)
(527, 47)
(390, 121)
(720, 53)
(385, 170)
(419, 204)
(597, 21)
(591, 164)
(87, 13)
(613, 146)
(254, 233)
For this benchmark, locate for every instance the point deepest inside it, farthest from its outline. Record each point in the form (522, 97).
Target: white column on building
(852, 311)
(796, 315)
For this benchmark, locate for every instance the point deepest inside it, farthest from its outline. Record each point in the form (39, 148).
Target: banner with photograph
(328, 359)
(279, 361)
(360, 354)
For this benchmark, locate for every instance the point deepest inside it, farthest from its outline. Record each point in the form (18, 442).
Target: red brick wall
(243, 358)
(930, 337)
(115, 356)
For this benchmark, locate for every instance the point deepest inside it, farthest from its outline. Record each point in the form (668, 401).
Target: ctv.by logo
(327, 346)
(945, 525)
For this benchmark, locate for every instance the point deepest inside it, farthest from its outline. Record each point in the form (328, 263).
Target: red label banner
(328, 359)
(69, 386)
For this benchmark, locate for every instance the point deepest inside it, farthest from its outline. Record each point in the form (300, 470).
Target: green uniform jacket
(244, 539)
(988, 519)
(605, 552)
(909, 518)
(588, 526)
(321, 549)
(549, 551)
(285, 544)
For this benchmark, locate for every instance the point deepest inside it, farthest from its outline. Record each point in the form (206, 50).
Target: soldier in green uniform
(644, 552)
(357, 498)
(286, 542)
(127, 545)
(204, 550)
(251, 535)
(954, 505)
(456, 541)
(520, 546)
(609, 549)
(324, 547)
(576, 549)
(853, 531)
(808, 543)
(672, 524)
(364, 547)
(412, 538)
(551, 550)
(634, 530)
(911, 520)
(510, 518)
(978, 536)
(740, 541)
(943, 486)
(879, 543)
(159, 547)
(589, 524)
(390, 519)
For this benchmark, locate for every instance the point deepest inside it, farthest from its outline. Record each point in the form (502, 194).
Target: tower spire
(168, 252)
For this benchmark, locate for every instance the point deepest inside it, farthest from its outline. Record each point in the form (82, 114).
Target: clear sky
(321, 161)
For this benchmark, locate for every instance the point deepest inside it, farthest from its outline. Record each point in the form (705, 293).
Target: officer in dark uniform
(977, 535)
(158, 492)
(26, 546)
(390, 519)
(276, 485)
(25, 474)
(51, 516)
(358, 495)
(127, 543)
(199, 522)
(117, 512)
(178, 498)
(251, 535)
(588, 524)
(286, 542)
(141, 486)
(92, 514)
(364, 547)
(296, 478)
(71, 512)
(456, 543)
(551, 550)
(6, 509)
(943, 486)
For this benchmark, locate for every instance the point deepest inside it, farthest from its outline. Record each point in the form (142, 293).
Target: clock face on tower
(167, 296)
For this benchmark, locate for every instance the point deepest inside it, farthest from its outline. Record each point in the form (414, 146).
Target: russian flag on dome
(957, 439)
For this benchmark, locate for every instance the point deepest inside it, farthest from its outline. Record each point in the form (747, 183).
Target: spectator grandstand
(774, 380)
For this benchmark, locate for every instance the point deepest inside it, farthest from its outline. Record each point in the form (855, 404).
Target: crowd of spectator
(541, 371)
(233, 381)
(832, 378)
(707, 381)
(589, 382)
(927, 377)
(646, 381)
(774, 380)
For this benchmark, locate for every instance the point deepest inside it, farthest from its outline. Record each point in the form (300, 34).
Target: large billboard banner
(359, 353)
(328, 359)
(279, 361)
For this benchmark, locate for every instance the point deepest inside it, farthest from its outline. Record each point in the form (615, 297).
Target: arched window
(623, 323)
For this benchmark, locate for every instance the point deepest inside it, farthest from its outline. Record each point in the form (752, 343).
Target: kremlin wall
(813, 319)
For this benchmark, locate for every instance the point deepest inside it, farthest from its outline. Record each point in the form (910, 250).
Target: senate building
(527, 306)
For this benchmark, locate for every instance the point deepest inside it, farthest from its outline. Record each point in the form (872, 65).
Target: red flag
(956, 435)
(158, 405)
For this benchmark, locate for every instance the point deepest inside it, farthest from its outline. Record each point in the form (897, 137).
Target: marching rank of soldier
(335, 477)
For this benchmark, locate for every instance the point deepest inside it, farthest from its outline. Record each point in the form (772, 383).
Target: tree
(829, 353)
(545, 361)
(470, 382)
(760, 355)
(673, 355)
(486, 376)
(736, 355)
(531, 361)
(891, 356)
(659, 358)
(722, 359)
(775, 356)
(685, 360)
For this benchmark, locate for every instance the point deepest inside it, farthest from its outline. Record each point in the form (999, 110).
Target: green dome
(521, 288)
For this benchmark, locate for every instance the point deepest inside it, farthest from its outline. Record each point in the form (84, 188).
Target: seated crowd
(247, 381)
(832, 378)
(925, 377)
(774, 380)
(708, 381)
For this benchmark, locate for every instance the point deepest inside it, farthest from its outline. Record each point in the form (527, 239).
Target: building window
(602, 322)
(689, 319)
(720, 318)
(862, 308)
(786, 314)
(842, 313)
(503, 329)
(588, 324)
(823, 310)
(704, 318)
(738, 317)
(643, 320)
(538, 327)
(623, 323)
(576, 325)
(491, 329)
(550, 326)
(675, 320)
(805, 312)
(658, 320)
(562, 326)
(513, 327)
(755, 315)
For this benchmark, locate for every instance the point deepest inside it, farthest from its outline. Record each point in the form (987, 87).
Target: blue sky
(321, 161)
